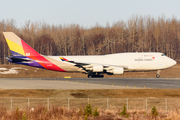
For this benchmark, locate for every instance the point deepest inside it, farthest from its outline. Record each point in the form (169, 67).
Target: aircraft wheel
(95, 76)
(89, 76)
(158, 75)
(99, 76)
(102, 76)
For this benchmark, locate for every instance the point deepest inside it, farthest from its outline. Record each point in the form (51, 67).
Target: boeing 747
(93, 65)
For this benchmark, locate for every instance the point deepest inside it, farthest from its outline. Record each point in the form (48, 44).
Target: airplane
(93, 65)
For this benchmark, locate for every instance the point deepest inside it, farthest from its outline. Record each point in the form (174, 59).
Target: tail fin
(18, 47)
(26, 55)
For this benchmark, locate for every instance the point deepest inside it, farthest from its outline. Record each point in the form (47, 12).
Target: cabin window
(163, 55)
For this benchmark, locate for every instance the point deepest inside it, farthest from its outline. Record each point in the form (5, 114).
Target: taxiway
(89, 83)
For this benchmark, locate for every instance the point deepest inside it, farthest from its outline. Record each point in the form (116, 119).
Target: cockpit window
(163, 55)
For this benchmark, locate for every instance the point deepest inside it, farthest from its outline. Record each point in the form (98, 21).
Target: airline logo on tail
(18, 47)
(25, 54)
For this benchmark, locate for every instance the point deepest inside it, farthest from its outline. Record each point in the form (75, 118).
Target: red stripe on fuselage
(31, 53)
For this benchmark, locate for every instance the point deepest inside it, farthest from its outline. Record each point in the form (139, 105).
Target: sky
(85, 12)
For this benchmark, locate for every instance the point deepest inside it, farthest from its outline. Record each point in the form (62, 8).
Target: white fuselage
(136, 61)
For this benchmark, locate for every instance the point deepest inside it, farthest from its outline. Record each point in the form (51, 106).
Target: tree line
(137, 34)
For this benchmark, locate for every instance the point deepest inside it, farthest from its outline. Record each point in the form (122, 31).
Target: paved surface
(89, 83)
(36, 83)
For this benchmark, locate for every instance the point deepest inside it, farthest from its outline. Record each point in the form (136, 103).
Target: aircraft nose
(172, 62)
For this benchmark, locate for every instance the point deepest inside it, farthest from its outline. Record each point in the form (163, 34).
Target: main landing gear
(158, 74)
(94, 75)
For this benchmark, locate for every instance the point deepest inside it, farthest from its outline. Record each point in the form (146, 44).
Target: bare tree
(137, 34)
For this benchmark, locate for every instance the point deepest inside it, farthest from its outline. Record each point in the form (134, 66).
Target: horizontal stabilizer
(16, 59)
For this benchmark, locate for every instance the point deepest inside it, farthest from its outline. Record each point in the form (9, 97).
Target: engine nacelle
(116, 70)
(97, 68)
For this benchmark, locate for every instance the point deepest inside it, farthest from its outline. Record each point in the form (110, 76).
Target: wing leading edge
(96, 69)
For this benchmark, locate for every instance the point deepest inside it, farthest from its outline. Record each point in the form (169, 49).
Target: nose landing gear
(158, 74)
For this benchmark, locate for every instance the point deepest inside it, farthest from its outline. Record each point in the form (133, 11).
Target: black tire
(102, 76)
(158, 75)
(95, 76)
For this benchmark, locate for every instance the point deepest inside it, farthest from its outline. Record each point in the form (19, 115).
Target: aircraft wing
(79, 63)
(89, 65)
(97, 67)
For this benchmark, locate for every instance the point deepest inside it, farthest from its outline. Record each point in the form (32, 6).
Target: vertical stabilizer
(18, 47)
(14, 43)
(26, 55)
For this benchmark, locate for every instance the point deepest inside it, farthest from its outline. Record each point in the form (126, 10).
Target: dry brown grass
(119, 93)
(42, 73)
(42, 113)
(114, 93)
(26, 93)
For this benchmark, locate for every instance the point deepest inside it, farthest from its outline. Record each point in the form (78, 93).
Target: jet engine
(95, 68)
(116, 70)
